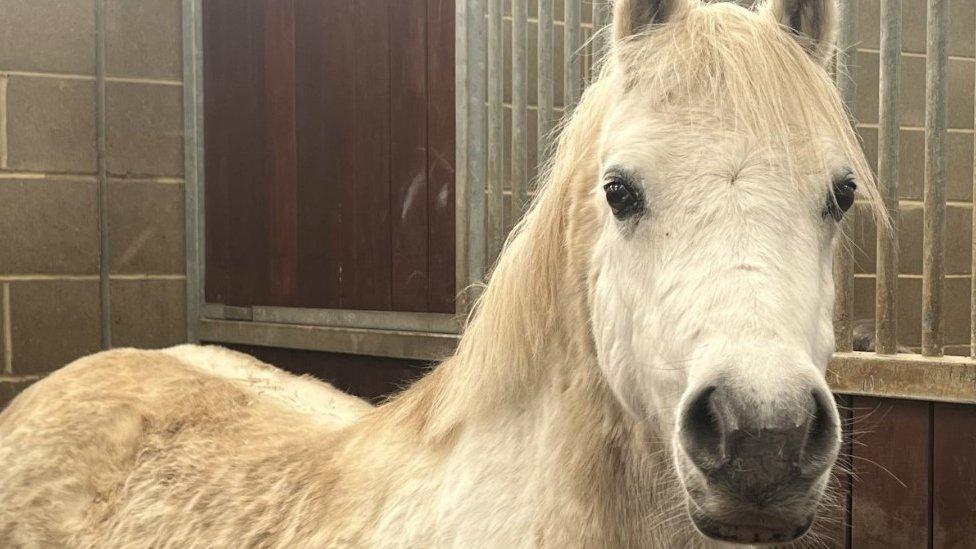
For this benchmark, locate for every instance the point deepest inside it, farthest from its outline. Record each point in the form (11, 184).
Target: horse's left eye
(623, 199)
(841, 198)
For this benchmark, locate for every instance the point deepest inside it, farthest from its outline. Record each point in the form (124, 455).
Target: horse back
(102, 449)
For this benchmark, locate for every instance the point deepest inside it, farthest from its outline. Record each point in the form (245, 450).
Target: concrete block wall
(962, 82)
(52, 181)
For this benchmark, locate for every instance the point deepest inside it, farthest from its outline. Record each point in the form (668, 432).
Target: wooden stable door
(329, 153)
(914, 481)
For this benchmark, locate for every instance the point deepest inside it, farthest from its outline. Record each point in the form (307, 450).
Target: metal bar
(941, 379)
(386, 343)
(972, 305)
(193, 162)
(337, 318)
(520, 110)
(104, 255)
(936, 124)
(496, 129)
(889, 128)
(470, 85)
(545, 79)
(571, 44)
(226, 312)
(843, 262)
(378, 320)
(601, 19)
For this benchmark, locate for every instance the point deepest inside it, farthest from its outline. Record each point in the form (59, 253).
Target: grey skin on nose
(759, 462)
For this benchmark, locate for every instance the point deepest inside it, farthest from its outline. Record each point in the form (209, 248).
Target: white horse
(644, 369)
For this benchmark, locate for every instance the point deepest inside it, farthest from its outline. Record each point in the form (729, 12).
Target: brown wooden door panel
(280, 173)
(440, 155)
(237, 250)
(891, 503)
(329, 153)
(408, 154)
(954, 477)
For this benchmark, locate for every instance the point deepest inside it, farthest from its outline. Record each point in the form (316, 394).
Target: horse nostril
(822, 433)
(701, 430)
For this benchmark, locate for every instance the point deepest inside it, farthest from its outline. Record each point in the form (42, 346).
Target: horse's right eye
(623, 198)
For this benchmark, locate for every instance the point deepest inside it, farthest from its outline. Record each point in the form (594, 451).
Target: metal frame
(480, 229)
(380, 333)
(929, 375)
(193, 163)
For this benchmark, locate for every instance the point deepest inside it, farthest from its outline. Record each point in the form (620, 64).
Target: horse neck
(562, 462)
(524, 389)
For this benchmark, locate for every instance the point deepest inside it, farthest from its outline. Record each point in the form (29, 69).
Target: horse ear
(633, 16)
(812, 22)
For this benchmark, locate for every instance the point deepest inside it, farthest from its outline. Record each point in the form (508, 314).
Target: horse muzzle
(755, 472)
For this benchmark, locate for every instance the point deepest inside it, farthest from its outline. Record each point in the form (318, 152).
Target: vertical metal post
(545, 78)
(520, 111)
(936, 125)
(470, 85)
(193, 167)
(972, 304)
(101, 146)
(571, 43)
(496, 137)
(601, 18)
(889, 123)
(843, 270)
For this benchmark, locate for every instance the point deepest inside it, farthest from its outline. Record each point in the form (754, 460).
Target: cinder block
(958, 246)
(48, 227)
(48, 36)
(51, 125)
(912, 92)
(868, 23)
(958, 239)
(53, 323)
(148, 313)
(955, 309)
(146, 228)
(143, 38)
(144, 129)
(957, 350)
(911, 162)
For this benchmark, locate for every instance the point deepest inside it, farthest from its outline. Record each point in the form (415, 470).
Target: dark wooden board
(326, 42)
(408, 154)
(234, 120)
(281, 178)
(366, 249)
(440, 155)
(954, 476)
(281, 175)
(891, 504)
